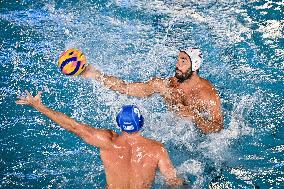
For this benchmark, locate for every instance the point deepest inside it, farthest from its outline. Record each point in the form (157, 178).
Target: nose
(180, 64)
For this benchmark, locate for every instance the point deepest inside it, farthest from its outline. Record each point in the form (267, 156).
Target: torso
(131, 165)
(194, 98)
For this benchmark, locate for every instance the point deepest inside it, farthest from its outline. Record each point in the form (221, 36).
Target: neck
(131, 135)
(192, 78)
(131, 138)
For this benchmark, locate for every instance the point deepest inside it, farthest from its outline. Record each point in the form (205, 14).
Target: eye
(183, 61)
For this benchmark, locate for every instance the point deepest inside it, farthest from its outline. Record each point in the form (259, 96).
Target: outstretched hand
(87, 73)
(30, 100)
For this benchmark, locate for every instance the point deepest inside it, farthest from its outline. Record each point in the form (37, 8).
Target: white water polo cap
(195, 56)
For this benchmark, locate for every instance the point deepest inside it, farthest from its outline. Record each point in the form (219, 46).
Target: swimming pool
(242, 42)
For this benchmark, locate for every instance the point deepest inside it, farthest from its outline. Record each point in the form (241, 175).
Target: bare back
(131, 163)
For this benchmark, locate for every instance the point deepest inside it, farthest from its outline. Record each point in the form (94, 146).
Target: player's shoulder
(159, 148)
(207, 90)
(206, 85)
(204, 82)
(153, 143)
(112, 135)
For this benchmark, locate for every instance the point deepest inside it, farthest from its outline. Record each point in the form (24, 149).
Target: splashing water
(242, 43)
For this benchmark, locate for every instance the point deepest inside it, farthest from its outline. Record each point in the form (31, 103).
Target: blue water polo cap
(129, 119)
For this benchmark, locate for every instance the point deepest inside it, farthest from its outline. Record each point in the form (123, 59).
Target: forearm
(206, 125)
(93, 136)
(111, 82)
(58, 117)
(96, 137)
(138, 89)
(114, 83)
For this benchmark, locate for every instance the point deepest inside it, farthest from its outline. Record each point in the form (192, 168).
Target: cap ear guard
(117, 119)
(141, 122)
(195, 56)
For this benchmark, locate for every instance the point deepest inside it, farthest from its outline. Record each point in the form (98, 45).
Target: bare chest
(177, 96)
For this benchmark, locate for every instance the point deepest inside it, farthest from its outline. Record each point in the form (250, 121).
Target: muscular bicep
(214, 107)
(101, 138)
(211, 116)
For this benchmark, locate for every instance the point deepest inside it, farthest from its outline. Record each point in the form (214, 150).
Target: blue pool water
(243, 46)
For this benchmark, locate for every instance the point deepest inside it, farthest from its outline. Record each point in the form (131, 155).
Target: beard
(183, 76)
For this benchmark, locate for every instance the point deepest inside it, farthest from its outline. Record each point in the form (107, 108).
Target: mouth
(178, 71)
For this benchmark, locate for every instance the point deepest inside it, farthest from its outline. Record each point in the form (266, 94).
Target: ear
(190, 61)
(141, 121)
(117, 121)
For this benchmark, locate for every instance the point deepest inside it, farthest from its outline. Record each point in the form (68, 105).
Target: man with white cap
(186, 94)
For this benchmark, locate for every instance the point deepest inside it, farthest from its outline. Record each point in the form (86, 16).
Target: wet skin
(130, 160)
(186, 94)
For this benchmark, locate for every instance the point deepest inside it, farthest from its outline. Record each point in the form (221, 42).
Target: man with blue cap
(130, 160)
(186, 94)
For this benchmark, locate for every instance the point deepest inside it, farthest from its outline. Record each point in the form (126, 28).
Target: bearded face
(183, 67)
(182, 76)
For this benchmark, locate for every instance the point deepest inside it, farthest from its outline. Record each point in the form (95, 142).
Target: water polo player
(187, 94)
(130, 160)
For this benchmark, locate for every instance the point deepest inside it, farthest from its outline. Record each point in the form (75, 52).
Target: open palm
(29, 99)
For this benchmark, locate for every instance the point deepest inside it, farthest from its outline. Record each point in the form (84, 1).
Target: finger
(22, 98)
(21, 102)
(23, 95)
(39, 94)
(28, 93)
(19, 96)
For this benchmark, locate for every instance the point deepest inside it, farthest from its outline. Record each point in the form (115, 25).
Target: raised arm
(138, 89)
(167, 169)
(96, 137)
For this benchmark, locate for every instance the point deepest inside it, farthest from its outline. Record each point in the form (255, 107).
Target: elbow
(136, 93)
(219, 125)
(213, 127)
(143, 92)
(120, 86)
(174, 182)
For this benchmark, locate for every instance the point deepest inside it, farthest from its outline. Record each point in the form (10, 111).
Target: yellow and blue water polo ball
(72, 62)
